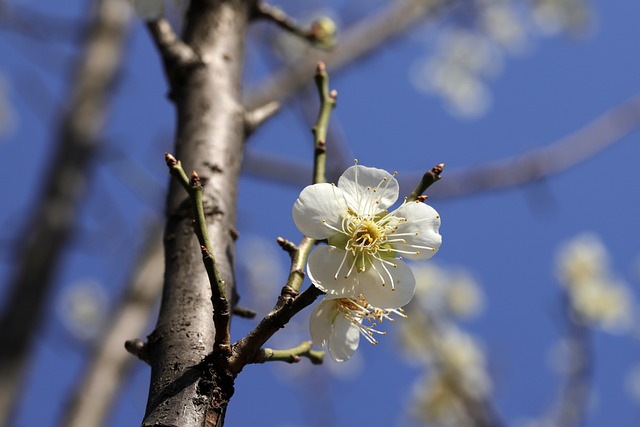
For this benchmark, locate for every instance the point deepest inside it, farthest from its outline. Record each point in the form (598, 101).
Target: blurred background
(526, 317)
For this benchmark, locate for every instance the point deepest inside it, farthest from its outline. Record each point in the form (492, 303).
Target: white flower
(339, 322)
(365, 239)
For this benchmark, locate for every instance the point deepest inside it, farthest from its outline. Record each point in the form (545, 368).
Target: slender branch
(290, 302)
(44, 238)
(320, 33)
(572, 404)
(357, 42)
(255, 118)
(427, 180)
(108, 366)
(221, 314)
(176, 55)
(327, 104)
(245, 312)
(292, 355)
(560, 156)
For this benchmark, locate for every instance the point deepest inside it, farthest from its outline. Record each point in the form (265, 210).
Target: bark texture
(210, 135)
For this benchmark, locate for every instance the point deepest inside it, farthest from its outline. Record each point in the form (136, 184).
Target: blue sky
(507, 239)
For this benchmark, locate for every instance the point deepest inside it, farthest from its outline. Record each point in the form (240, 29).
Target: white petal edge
(315, 204)
(425, 221)
(344, 339)
(385, 297)
(357, 179)
(322, 266)
(320, 323)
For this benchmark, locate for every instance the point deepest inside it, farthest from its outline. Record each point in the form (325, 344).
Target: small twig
(292, 355)
(259, 115)
(320, 33)
(244, 312)
(427, 180)
(287, 246)
(327, 104)
(176, 55)
(290, 301)
(221, 312)
(138, 348)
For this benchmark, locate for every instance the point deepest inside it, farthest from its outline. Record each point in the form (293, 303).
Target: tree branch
(320, 33)
(221, 313)
(292, 355)
(209, 138)
(357, 42)
(50, 226)
(563, 154)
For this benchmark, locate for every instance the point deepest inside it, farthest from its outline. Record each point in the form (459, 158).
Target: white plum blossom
(361, 270)
(366, 241)
(338, 324)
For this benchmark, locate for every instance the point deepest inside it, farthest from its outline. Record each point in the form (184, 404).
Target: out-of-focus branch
(565, 153)
(560, 156)
(356, 43)
(54, 216)
(573, 401)
(31, 23)
(109, 365)
(320, 33)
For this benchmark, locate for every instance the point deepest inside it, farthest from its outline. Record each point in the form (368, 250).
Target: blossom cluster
(362, 269)
(596, 297)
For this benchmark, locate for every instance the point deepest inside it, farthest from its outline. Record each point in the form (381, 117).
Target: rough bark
(53, 219)
(209, 139)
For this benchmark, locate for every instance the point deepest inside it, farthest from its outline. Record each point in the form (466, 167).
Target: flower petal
(318, 203)
(386, 297)
(327, 274)
(362, 186)
(344, 339)
(320, 323)
(420, 231)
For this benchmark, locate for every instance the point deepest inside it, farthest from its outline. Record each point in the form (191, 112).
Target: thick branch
(53, 219)
(209, 138)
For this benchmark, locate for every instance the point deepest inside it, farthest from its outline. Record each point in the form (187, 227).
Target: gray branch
(209, 139)
(110, 365)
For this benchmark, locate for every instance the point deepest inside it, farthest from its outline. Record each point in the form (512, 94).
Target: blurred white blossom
(554, 16)
(447, 291)
(83, 308)
(595, 296)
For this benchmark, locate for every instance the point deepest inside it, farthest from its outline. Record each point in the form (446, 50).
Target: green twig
(327, 104)
(427, 179)
(320, 33)
(292, 355)
(221, 312)
(291, 301)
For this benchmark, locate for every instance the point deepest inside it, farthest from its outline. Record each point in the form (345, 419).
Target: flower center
(357, 310)
(367, 236)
